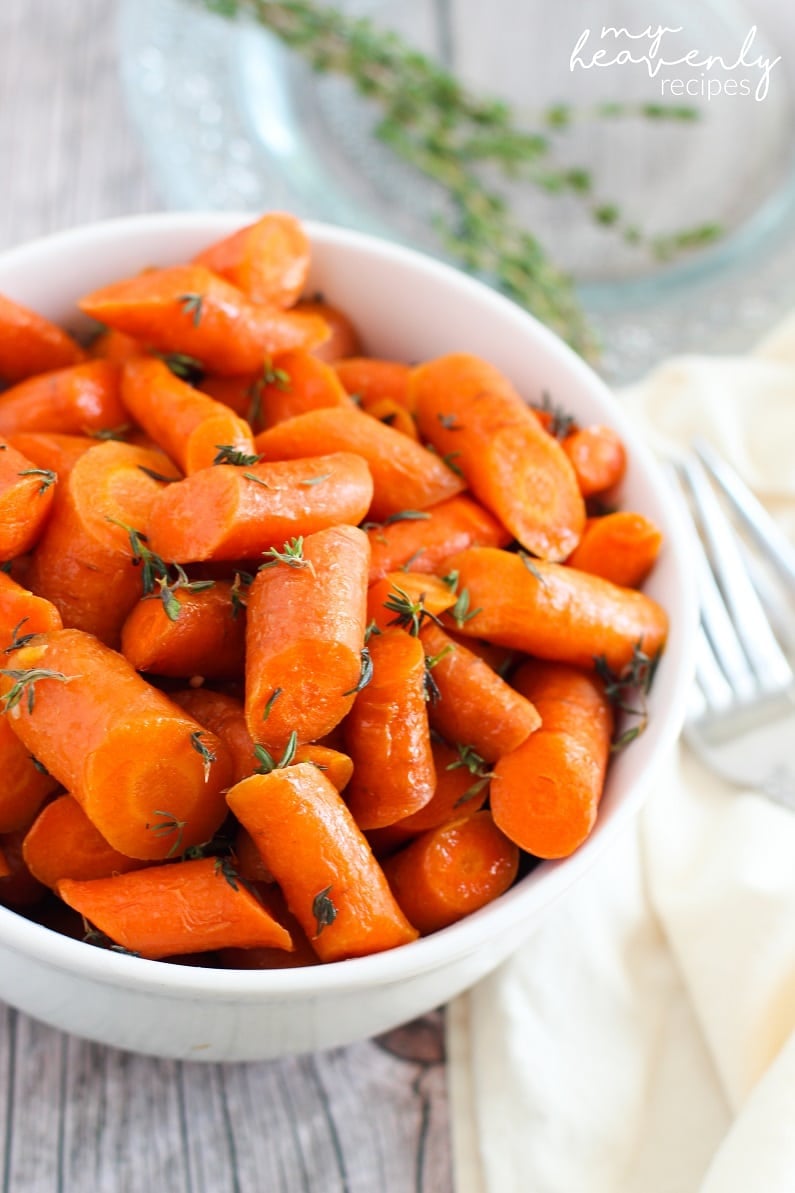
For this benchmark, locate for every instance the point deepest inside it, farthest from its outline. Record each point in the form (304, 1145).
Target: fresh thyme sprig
(18, 642)
(165, 827)
(628, 689)
(227, 454)
(365, 676)
(48, 477)
(291, 554)
(457, 139)
(268, 763)
(323, 910)
(477, 767)
(153, 568)
(410, 614)
(25, 684)
(206, 754)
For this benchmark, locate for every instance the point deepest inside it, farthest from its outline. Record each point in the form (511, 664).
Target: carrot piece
(115, 346)
(336, 766)
(24, 787)
(425, 539)
(399, 598)
(388, 736)
(53, 451)
(370, 379)
(145, 773)
(552, 610)
(268, 260)
(238, 393)
(597, 456)
(474, 705)
(297, 382)
(63, 843)
(518, 471)
(196, 633)
(305, 638)
(24, 612)
(26, 495)
(275, 902)
(343, 339)
(499, 658)
(31, 344)
(392, 414)
(330, 879)
(71, 401)
(224, 716)
(186, 424)
(84, 562)
(545, 794)
(146, 911)
(18, 888)
(405, 475)
(237, 513)
(451, 871)
(620, 547)
(188, 309)
(462, 788)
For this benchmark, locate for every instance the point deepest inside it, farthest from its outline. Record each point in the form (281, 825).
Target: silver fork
(741, 719)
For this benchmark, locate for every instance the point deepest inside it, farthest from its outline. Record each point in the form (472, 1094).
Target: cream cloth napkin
(643, 1040)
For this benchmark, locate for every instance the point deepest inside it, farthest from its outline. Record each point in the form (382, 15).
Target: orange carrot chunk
(620, 547)
(268, 260)
(519, 472)
(230, 512)
(145, 773)
(115, 346)
(370, 379)
(63, 843)
(85, 562)
(597, 456)
(24, 612)
(423, 540)
(188, 309)
(71, 401)
(388, 736)
(26, 494)
(405, 475)
(553, 611)
(399, 598)
(31, 344)
(343, 337)
(146, 911)
(451, 871)
(545, 794)
(305, 637)
(470, 703)
(462, 788)
(224, 716)
(194, 632)
(25, 783)
(51, 450)
(297, 382)
(190, 427)
(309, 841)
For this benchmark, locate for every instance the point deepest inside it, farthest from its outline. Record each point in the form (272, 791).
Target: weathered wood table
(77, 1117)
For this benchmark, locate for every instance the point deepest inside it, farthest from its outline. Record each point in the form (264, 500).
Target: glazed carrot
(545, 794)
(116, 346)
(336, 766)
(390, 412)
(297, 382)
(146, 911)
(305, 637)
(405, 475)
(186, 424)
(388, 736)
(24, 612)
(236, 513)
(274, 901)
(621, 547)
(52, 451)
(238, 393)
(473, 705)
(197, 632)
(26, 495)
(84, 562)
(462, 788)
(18, 889)
(224, 716)
(188, 309)
(598, 458)
(71, 401)
(425, 540)
(31, 344)
(330, 879)
(370, 379)
(552, 610)
(145, 773)
(343, 339)
(518, 471)
(451, 871)
(25, 784)
(399, 598)
(268, 260)
(63, 843)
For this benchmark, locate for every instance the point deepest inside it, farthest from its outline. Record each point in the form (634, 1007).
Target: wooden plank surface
(76, 1117)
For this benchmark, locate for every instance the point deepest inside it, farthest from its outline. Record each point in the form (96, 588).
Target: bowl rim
(547, 881)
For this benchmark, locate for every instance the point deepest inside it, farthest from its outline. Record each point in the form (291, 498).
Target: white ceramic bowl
(408, 307)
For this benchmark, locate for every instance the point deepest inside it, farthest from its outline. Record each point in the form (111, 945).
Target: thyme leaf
(187, 368)
(410, 614)
(25, 685)
(48, 477)
(192, 305)
(460, 612)
(531, 567)
(228, 454)
(267, 762)
(323, 910)
(274, 696)
(165, 827)
(16, 642)
(628, 689)
(365, 676)
(291, 554)
(207, 756)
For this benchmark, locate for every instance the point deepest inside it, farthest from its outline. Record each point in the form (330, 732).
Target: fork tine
(715, 692)
(755, 517)
(747, 614)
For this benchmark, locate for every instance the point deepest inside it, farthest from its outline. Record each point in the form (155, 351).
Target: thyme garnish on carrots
(25, 684)
(628, 689)
(165, 827)
(323, 910)
(477, 767)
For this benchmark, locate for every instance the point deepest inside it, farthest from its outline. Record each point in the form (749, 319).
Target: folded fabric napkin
(643, 1040)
